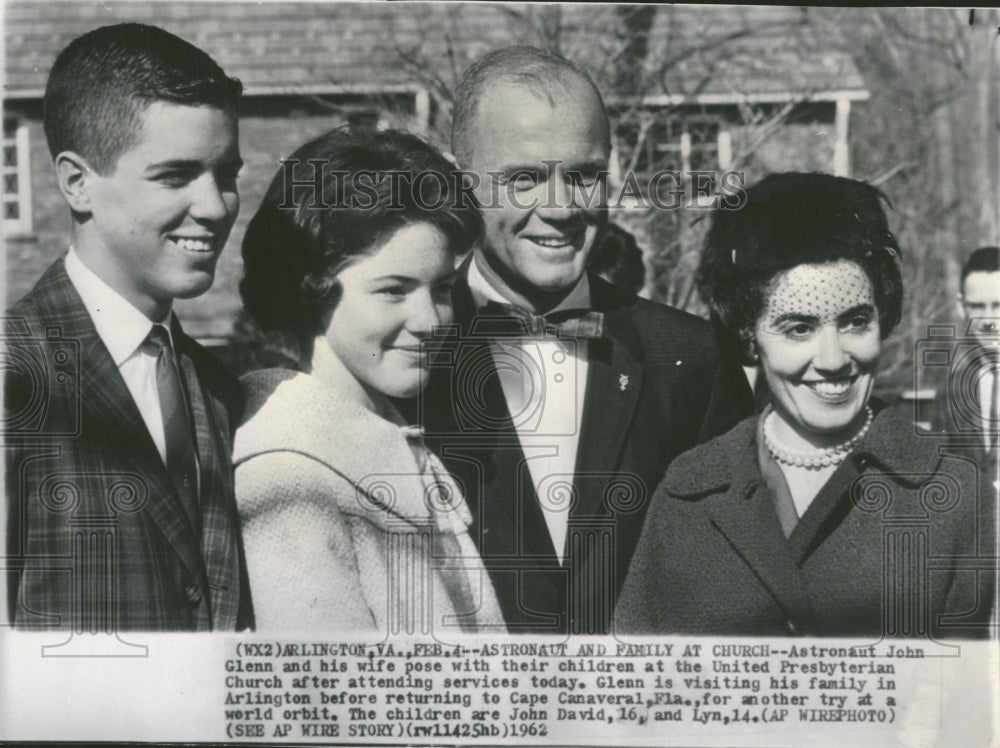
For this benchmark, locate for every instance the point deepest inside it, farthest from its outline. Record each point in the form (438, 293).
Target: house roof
(706, 53)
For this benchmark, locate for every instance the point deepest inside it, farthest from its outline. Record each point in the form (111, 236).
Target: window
(676, 144)
(656, 142)
(16, 177)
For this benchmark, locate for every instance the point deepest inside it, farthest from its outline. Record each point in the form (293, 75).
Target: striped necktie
(182, 457)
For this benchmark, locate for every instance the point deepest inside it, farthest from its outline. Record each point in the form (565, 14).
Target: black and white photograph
(486, 373)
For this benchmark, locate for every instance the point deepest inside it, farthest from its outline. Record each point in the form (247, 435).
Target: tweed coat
(899, 541)
(98, 538)
(657, 385)
(341, 531)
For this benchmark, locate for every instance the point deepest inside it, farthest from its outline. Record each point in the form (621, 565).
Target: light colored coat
(338, 533)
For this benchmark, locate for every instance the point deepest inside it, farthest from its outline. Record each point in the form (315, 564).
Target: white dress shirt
(544, 383)
(987, 375)
(123, 328)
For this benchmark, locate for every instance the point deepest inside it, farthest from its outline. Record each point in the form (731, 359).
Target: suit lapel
(746, 517)
(510, 502)
(824, 514)
(904, 462)
(509, 508)
(614, 381)
(218, 538)
(962, 404)
(109, 410)
(744, 513)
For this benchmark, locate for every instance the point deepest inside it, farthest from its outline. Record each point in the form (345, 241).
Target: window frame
(23, 224)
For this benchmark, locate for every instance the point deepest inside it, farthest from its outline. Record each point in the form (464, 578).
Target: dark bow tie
(510, 321)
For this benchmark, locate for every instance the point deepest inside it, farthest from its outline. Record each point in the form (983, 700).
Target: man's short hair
(983, 260)
(103, 81)
(541, 71)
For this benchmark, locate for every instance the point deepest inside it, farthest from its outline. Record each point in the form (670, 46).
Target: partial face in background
(159, 219)
(818, 341)
(980, 304)
(390, 300)
(542, 220)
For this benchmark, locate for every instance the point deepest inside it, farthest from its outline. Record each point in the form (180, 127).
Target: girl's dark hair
(794, 219)
(339, 197)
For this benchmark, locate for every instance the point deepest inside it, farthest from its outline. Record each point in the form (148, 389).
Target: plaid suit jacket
(97, 538)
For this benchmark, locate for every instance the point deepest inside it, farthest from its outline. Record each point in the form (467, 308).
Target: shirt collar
(121, 327)
(989, 354)
(482, 291)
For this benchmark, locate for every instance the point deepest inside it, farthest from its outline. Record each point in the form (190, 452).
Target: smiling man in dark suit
(563, 399)
(118, 425)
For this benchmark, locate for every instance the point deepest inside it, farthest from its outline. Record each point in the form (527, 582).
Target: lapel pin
(678, 362)
(622, 381)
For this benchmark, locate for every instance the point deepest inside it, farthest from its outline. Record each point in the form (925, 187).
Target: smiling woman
(350, 522)
(789, 523)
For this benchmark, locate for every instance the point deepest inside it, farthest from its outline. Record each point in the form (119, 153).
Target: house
(690, 88)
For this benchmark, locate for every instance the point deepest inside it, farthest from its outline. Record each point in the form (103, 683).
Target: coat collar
(891, 444)
(619, 323)
(894, 444)
(730, 459)
(723, 475)
(295, 412)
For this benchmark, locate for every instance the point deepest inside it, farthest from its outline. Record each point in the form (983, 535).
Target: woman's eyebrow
(795, 317)
(393, 278)
(857, 309)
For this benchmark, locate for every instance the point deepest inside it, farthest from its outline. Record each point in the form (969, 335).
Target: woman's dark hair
(618, 259)
(337, 198)
(794, 219)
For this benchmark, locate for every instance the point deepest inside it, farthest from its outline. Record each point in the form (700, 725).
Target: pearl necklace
(819, 458)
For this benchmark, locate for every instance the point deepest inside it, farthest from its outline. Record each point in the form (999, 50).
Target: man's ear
(960, 305)
(73, 175)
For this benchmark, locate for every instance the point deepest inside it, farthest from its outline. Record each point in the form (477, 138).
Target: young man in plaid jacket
(118, 426)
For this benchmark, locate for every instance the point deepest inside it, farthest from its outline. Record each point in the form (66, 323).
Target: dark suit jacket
(956, 413)
(899, 541)
(656, 386)
(97, 537)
